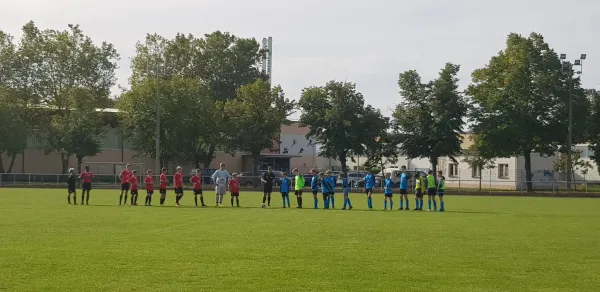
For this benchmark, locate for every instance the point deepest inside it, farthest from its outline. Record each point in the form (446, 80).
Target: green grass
(480, 244)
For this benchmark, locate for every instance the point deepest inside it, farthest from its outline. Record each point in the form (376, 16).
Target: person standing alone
(220, 177)
(267, 179)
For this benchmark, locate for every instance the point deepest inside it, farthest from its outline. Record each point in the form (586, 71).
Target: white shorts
(220, 190)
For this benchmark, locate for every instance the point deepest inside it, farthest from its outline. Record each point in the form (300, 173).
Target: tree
(79, 133)
(578, 164)
(519, 101)
(339, 121)
(219, 63)
(13, 138)
(477, 160)
(593, 126)
(256, 117)
(430, 115)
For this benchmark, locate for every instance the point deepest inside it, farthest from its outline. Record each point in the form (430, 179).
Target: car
(247, 179)
(396, 172)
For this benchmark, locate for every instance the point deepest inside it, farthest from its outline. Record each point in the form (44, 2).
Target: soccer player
(267, 180)
(284, 188)
(324, 190)
(298, 186)
(86, 179)
(369, 185)
(388, 192)
(234, 189)
(314, 186)
(196, 181)
(441, 189)
(329, 182)
(124, 176)
(420, 188)
(404, 188)
(178, 182)
(149, 182)
(346, 191)
(431, 191)
(220, 177)
(133, 182)
(71, 188)
(162, 187)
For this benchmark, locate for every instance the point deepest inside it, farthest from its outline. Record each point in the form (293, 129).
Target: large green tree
(13, 136)
(384, 149)
(430, 115)
(219, 63)
(256, 116)
(477, 160)
(520, 102)
(339, 120)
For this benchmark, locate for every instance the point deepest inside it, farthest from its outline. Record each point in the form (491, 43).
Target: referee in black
(267, 180)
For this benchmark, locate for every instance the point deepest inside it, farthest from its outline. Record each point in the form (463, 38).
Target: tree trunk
(1, 164)
(434, 163)
(65, 163)
(480, 178)
(528, 174)
(210, 155)
(79, 162)
(12, 163)
(197, 163)
(342, 158)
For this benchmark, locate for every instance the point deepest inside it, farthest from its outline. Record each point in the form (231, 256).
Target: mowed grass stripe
(480, 244)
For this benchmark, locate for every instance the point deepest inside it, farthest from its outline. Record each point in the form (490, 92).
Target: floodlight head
(563, 56)
(577, 62)
(583, 56)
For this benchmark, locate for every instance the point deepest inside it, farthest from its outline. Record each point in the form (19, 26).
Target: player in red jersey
(234, 188)
(196, 180)
(86, 178)
(178, 182)
(149, 181)
(133, 183)
(162, 188)
(125, 175)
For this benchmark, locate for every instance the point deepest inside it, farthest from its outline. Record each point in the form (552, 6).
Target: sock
(370, 202)
(269, 200)
(146, 200)
(136, 197)
(149, 200)
(264, 198)
(316, 203)
(87, 197)
(442, 205)
(125, 200)
(385, 204)
(177, 198)
(216, 199)
(220, 199)
(349, 203)
(325, 202)
(416, 203)
(82, 197)
(391, 204)
(407, 204)
(300, 202)
(196, 200)
(434, 205)
(332, 200)
(345, 203)
(69, 198)
(283, 198)
(237, 201)
(429, 204)
(162, 201)
(231, 201)
(401, 203)
(202, 200)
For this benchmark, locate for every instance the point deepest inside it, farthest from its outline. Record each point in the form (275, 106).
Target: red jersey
(125, 176)
(133, 181)
(234, 185)
(149, 181)
(86, 177)
(197, 181)
(163, 181)
(178, 180)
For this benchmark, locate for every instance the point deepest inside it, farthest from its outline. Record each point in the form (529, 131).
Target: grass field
(479, 244)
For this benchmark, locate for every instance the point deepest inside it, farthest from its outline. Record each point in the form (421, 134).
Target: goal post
(106, 174)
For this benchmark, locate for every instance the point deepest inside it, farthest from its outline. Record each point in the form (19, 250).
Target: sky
(365, 42)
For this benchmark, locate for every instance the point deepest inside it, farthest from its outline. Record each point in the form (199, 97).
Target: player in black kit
(267, 180)
(71, 181)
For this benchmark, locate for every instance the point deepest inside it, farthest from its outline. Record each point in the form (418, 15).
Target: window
(452, 169)
(502, 170)
(475, 171)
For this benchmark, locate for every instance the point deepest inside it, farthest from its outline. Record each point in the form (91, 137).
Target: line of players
(224, 182)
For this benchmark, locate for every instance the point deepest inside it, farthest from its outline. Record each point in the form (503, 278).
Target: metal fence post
(57, 180)
(29, 179)
(490, 182)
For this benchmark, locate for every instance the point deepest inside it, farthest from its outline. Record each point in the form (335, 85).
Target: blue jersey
(369, 181)
(285, 184)
(404, 181)
(328, 184)
(388, 186)
(345, 186)
(314, 183)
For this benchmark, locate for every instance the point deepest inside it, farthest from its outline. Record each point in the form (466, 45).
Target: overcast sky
(366, 42)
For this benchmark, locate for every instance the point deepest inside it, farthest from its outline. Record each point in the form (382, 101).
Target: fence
(453, 184)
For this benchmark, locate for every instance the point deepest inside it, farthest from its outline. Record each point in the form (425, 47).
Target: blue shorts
(441, 193)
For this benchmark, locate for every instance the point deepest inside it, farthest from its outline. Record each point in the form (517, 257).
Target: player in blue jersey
(346, 191)
(441, 188)
(403, 188)
(369, 185)
(388, 192)
(284, 188)
(331, 182)
(314, 187)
